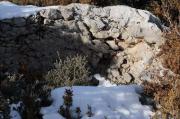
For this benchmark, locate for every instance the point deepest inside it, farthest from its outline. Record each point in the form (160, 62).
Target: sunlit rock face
(120, 42)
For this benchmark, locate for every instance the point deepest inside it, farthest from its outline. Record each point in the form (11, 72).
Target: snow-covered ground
(107, 101)
(118, 102)
(10, 10)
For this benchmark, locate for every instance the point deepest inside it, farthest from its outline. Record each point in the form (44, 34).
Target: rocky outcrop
(120, 41)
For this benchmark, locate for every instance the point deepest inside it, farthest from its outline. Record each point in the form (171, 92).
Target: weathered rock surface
(129, 37)
(51, 14)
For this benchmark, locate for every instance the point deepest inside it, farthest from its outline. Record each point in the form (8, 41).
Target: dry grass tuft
(171, 54)
(166, 94)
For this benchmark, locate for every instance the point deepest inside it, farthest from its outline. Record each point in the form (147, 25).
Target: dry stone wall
(121, 42)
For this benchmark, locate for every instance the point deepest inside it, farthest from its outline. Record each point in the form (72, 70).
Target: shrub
(68, 100)
(68, 72)
(171, 54)
(4, 108)
(166, 94)
(67, 111)
(168, 11)
(29, 88)
(89, 113)
(34, 95)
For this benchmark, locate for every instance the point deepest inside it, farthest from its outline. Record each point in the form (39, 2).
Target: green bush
(68, 72)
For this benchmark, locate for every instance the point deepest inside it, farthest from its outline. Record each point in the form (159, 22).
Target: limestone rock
(85, 36)
(101, 34)
(112, 45)
(127, 77)
(95, 24)
(51, 14)
(99, 46)
(47, 21)
(68, 14)
(103, 12)
(125, 35)
(123, 45)
(114, 32)
(115, 73)
(142, 52)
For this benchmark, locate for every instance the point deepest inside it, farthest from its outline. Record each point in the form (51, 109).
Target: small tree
(68, 100)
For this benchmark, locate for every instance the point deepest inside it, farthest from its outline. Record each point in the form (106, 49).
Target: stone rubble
(131, 37)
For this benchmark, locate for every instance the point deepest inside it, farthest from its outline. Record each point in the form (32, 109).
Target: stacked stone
(129, 37)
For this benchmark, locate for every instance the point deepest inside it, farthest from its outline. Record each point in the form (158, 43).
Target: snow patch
(10, 10)
(53, 116)
(103, 82)
(118, 102)
(14, 114)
